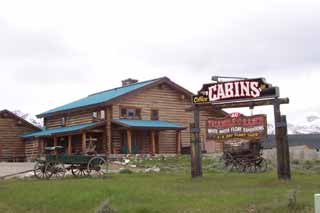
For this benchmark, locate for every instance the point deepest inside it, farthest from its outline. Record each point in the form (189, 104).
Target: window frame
(94, 115)
(63, 121)
(137, 116)
(151, 114)
(100, 114)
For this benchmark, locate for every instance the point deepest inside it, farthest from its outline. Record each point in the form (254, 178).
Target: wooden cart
(244, 156)
(55, 165)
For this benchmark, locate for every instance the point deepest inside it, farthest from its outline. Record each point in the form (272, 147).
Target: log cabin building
(12, 147)
(146, 117)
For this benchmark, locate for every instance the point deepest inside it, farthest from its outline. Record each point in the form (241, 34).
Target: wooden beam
(153, 142)
(44, 140)
(240, 103)
(129, 140)
(283, 160)
(196, 164)
(109, 129)
(55, 143)
(69, 145)
(40, 145)
(84, 144)
(178, 142)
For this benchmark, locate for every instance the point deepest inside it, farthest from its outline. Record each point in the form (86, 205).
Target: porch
(143, 136)
(134, 137)
(77, 139)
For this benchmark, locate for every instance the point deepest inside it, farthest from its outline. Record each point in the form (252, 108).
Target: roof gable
(16, 117)
(112, 94)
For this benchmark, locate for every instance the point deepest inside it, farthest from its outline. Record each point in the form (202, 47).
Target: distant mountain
(304, 124)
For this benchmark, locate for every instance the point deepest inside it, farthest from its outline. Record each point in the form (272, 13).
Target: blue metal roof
(148, 124)
(48, 132)
(100, 97)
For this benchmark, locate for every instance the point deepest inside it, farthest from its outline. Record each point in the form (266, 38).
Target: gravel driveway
(10, 168)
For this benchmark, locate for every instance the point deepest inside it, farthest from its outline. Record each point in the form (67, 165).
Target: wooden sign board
(235, 90)
(244, 127)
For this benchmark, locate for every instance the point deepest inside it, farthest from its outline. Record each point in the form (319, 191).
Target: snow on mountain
(307, 123)
(30, 118)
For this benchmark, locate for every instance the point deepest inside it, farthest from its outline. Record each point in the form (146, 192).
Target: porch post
(153, 141)
(84, 145)
(55, 143)
(40, 145)
(108, 129)
(44, 140)
(178, 141)
(69, 144)
(129, 140)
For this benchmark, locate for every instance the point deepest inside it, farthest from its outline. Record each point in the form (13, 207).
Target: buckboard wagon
(56, 165)
(244, 156)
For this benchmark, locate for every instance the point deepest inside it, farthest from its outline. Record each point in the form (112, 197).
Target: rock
(152, 169)
(133, 166)
(125, 161)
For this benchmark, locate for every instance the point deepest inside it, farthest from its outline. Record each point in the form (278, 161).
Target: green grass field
(162, 192)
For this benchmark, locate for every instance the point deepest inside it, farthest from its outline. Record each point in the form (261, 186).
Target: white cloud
(56, 52)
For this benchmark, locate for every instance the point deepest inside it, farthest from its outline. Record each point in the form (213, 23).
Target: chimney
(128, 81)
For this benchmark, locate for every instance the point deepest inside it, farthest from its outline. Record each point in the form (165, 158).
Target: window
(98, 115)
(102, 115)
(154, 114)
(63, 121)
(130, 113)
(95, 115)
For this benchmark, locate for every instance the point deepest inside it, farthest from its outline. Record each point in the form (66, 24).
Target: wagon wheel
(242, 165)
(230, 166)
(55, 170)
(251, 168)
(97, 166)
(39, 170)
(79, 170)
(229, 162)
(262, 165)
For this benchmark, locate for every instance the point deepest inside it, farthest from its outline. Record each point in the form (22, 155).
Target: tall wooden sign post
(196, 167)
(241, 93)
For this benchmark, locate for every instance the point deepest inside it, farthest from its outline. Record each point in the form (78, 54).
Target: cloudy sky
(53, 52)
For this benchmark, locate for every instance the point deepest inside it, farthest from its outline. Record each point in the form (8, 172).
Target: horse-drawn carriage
(244, 156)
(53, 164)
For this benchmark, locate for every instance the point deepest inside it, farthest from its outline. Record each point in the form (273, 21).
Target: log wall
(31, 149)
(71, 119)
(12, 147)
